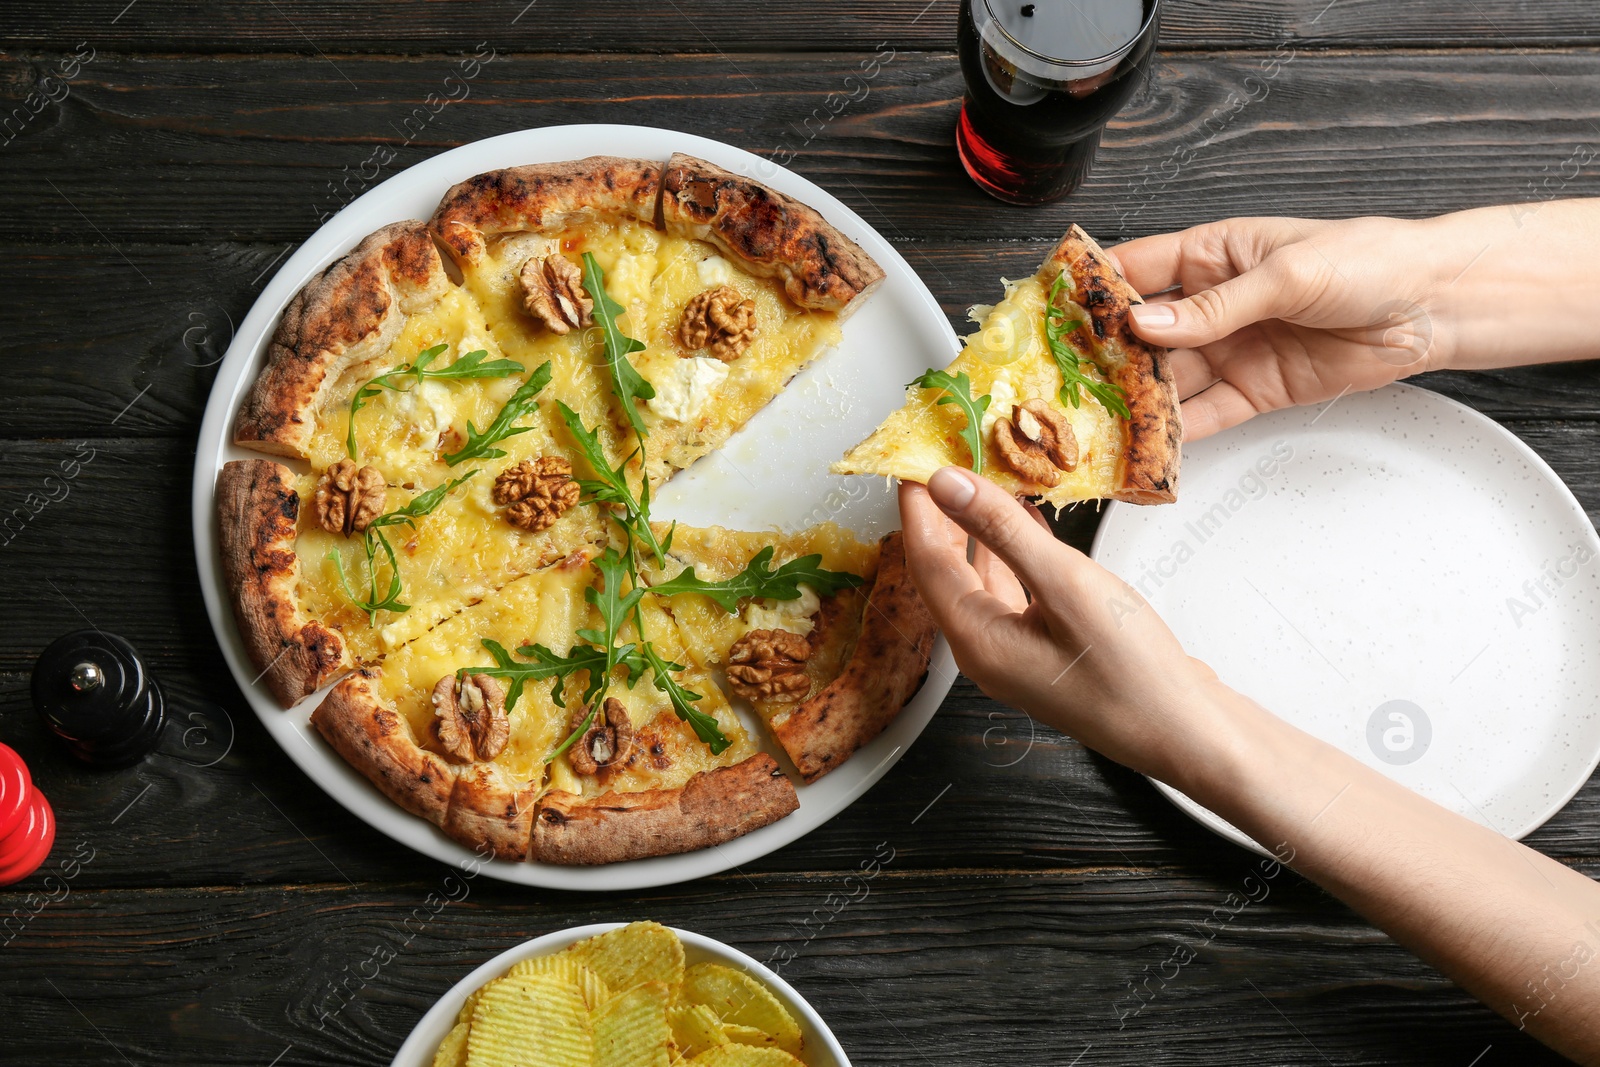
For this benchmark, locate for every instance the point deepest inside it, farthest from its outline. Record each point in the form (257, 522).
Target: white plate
(822, 1049)
(1374, 581)
(772, 473)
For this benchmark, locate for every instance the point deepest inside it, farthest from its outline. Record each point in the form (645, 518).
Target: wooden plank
(221, 803)
(100, 364)
(943, 969)
(260, 149)
(134, 495)
(413, 26)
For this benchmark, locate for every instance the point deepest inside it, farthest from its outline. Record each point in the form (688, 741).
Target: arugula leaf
(610, 486)
(626, 381)
(471, 365)
(958, 391)
(373, 604)
(480, 445)
(546, 665)
(758, 579)
(373, 539)
(705, 726)
(613, 605)
(419, 505)
(1057, 327)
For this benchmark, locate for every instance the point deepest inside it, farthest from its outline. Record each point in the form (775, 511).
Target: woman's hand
(1271, 313)
(1088, 656)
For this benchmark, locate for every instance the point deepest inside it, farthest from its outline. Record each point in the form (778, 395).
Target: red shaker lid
(26, 847)
(16, 785)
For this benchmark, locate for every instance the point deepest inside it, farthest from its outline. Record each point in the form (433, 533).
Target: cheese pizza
(468, 418)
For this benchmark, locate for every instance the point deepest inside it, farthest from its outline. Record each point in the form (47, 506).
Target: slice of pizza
(1054, 397)
(723, 290)
(504, 727)
(828, 663)
(433, 472)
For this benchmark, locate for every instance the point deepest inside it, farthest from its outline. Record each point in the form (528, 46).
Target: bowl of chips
(622, 995)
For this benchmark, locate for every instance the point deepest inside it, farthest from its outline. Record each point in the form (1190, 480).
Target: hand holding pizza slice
(1053, 398)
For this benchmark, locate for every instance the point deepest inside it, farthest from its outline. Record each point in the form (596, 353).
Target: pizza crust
(767, 233)
(544, 198)
(712, 807)
(347, 315)
(258, 513)
(886, 669)
(1149, 474)
(489, 813)
(480, 807)
(377, 741)
(477, 805)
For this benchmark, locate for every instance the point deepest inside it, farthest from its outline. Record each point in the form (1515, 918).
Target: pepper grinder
(27, 824)
(95, 693)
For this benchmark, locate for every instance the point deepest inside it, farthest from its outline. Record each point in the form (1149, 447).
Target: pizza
(1054, 397)
(447, 536)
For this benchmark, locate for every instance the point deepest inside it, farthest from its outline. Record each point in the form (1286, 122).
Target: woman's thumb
(1263, 292)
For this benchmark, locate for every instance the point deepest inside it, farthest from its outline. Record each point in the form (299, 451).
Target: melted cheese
(714, 271)
(787, 338)
(542, 608)
(1009, 359)
(686, 387)
(708, 631)
(468, 575)
(1002, 402)
(794, 616)
(547, 608)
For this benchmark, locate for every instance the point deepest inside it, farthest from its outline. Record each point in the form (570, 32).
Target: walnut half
(553, 293)
(719, 320)
(1037, 442)
(537, 492)
(769, 665)
(606, 743)
(469, 717)
(348, 498)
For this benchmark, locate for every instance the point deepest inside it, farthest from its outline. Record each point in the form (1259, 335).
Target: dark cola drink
(1043, 79)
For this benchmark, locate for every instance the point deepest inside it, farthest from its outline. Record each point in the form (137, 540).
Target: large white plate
(822, 1049)
(1371, 571)
(773, 473)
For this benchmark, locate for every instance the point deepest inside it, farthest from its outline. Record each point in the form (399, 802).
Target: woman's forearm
(1513, 927)
(1515, 285)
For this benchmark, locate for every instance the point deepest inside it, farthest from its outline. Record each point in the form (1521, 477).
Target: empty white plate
(1398, 575)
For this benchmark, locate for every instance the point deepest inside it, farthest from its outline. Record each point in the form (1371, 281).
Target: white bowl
(822, 1049)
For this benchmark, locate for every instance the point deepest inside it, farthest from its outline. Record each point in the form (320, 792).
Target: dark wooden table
(232, 913)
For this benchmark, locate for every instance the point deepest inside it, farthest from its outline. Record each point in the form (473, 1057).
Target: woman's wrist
(1248, 765)
(1510, 286)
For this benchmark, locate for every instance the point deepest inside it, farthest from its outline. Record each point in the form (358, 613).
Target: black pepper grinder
(95, 693)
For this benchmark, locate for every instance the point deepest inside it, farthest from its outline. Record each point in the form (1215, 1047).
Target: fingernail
(1153, 315)
(952, 488)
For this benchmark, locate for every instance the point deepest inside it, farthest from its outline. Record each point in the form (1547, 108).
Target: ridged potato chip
(622, 999)
(628, 955)
(630, 1029)
(744, 1005)
(749, 1035)
(736, 1055)
(593, 987)
(695, 1028)
(465, 1014)
(453, 1049)
(530, 1021)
